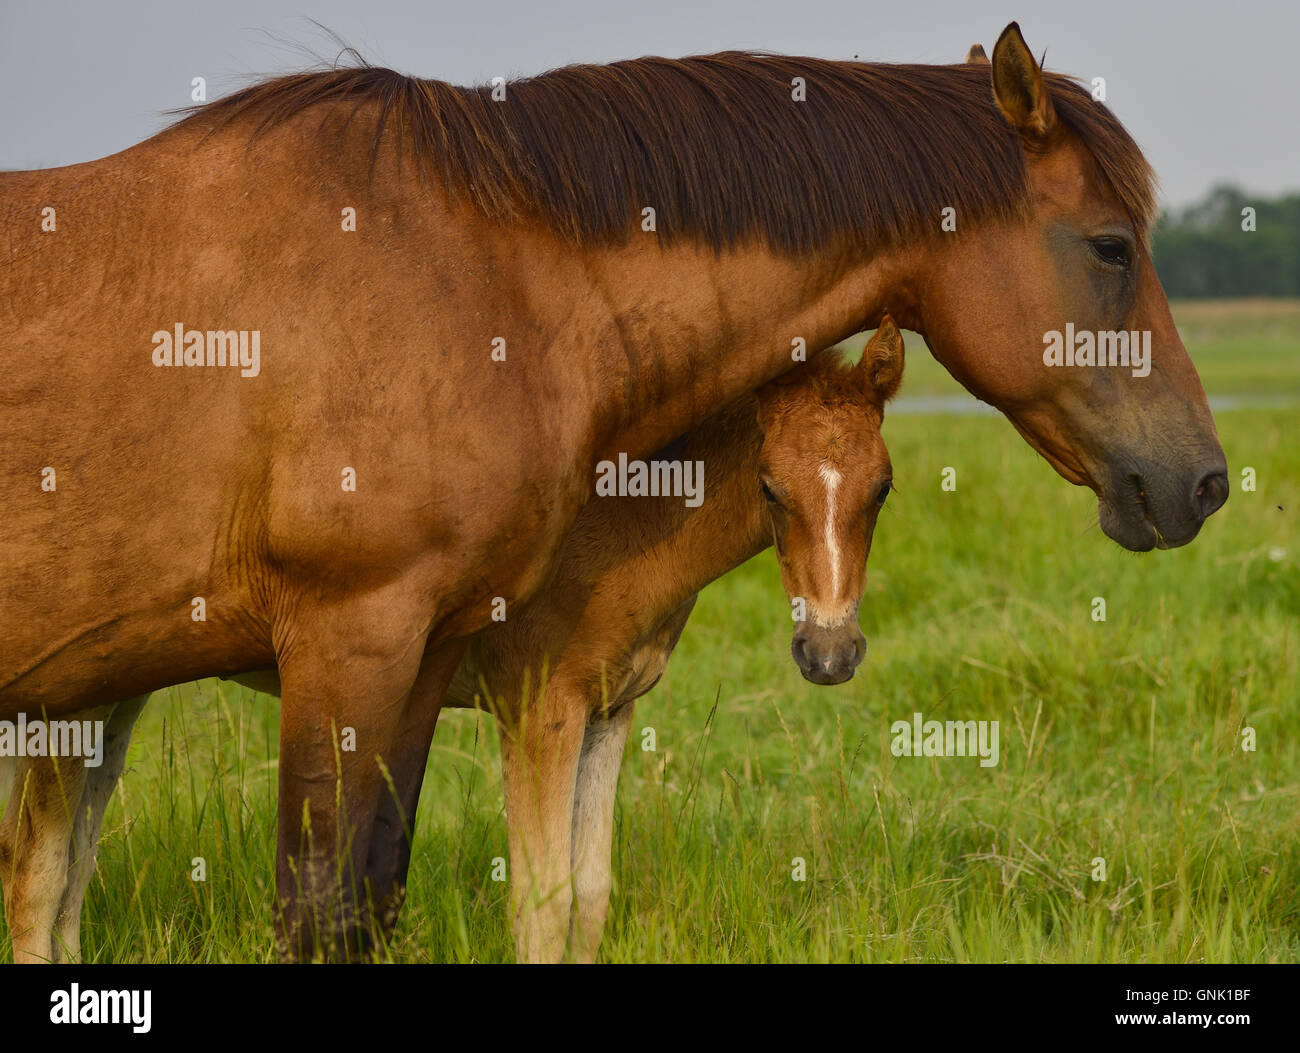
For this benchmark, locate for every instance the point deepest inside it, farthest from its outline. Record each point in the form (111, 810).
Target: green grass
(1119, 740)
(1244, 346)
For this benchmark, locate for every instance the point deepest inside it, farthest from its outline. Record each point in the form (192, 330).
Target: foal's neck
(671, 549)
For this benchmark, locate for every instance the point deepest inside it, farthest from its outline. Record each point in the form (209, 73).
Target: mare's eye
(1114, 251)
(767, 492)
(884, 492)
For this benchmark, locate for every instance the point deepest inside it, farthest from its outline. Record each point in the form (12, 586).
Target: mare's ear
(1019, 89)
(976, 55)
(881, 366)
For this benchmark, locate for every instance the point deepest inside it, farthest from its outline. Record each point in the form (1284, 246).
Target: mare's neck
(689, 331)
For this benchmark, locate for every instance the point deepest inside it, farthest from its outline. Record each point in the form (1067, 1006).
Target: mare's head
(824, 475)
(1020, 309)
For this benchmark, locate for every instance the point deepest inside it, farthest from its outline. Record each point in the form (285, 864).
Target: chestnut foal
(802, 463)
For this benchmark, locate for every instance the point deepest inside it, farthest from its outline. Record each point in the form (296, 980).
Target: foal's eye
(1114, 251)
(768, 496)
(884, 492)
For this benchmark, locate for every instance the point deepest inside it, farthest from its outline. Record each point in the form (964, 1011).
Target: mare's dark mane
(717, 145)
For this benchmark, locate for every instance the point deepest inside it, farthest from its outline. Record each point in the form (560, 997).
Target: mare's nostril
(1211, 493)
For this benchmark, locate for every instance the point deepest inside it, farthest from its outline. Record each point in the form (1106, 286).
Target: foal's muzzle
(828, 656)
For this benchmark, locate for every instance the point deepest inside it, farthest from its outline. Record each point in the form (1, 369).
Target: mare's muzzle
(1148, 506)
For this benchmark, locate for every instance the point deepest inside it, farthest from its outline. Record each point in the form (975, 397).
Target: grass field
(1119, 740)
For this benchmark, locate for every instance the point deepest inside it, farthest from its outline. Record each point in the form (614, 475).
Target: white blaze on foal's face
(825, 474)
(824, 490)
(834, 611)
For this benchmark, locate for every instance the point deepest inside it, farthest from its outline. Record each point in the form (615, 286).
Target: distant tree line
(1208, 250)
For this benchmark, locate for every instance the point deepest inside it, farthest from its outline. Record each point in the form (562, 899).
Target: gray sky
(1206, 87)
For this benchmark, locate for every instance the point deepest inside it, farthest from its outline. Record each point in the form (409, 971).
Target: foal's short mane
(828, 378)
(718, 147)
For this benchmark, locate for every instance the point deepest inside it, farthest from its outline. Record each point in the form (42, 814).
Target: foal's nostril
(1211, 493)
(799, 650)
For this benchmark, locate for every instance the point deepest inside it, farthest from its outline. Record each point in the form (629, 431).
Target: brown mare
(520, 226)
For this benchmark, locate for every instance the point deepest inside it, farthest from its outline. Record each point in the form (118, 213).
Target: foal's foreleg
(593, 828)
(540, 745)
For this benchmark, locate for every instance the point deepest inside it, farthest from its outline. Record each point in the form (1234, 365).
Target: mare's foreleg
(389, 857)
(348, 675)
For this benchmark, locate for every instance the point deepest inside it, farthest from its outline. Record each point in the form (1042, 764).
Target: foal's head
(825, 474)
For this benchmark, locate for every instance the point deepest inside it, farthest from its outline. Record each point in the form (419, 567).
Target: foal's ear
(882, 362)
(1018, 87)
(977, 56)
